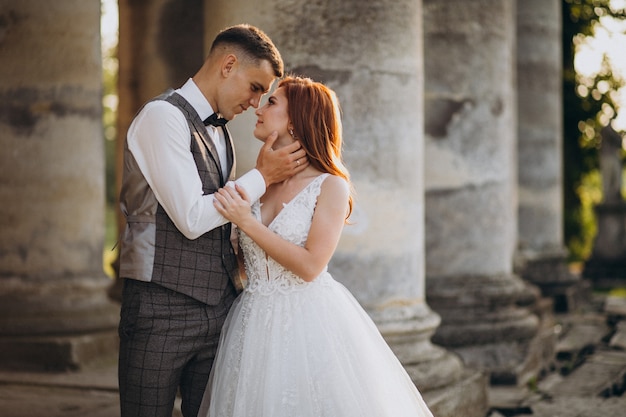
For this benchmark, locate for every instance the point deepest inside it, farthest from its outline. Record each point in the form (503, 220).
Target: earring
(291, 133)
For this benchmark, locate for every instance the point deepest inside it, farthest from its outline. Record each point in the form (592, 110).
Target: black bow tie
(213, 120)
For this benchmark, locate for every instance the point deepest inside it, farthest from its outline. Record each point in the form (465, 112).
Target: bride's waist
(285, 283)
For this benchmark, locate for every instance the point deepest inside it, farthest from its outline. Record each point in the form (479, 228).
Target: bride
(296, 343)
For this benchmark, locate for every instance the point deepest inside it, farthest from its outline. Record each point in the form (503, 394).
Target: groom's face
(244, 86)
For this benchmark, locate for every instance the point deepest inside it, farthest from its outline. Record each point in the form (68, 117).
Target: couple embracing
(292, 341)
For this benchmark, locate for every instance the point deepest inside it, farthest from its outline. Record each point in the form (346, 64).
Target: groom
(176, 257)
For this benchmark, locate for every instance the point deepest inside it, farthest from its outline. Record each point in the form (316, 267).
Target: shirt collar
(190, 92)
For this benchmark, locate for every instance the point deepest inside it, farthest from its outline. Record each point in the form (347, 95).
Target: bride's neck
(282, 142)
(285, 141)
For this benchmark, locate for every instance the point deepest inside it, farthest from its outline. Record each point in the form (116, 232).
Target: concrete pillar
(370, 53)
(160, 47)
(54, 310)
(471, 177)
(606, 267)
(542, 255)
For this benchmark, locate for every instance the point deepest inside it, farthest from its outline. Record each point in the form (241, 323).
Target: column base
(512, 363)
(57, 324)
(447, 386)
(466, 397)
(548, 270)
(66, 306)
(408, 329)
(58, 353)
(443, 370)
(484, 323)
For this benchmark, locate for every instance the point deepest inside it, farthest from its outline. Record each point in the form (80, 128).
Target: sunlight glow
(609, 40)
(109, 23)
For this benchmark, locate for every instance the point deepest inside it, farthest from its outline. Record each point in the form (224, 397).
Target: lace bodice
(292, 223)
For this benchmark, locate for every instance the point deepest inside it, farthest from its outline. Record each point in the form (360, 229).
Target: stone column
(370, 53)
(606, 267)
(160, 47)
(541, 257)
(471, 200)
(54, 310)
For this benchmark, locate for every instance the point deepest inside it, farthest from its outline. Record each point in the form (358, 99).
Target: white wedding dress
(291, 348)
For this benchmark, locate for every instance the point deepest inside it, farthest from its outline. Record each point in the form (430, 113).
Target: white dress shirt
(160, 141)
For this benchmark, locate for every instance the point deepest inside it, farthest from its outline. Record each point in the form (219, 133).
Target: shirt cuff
(254, 184)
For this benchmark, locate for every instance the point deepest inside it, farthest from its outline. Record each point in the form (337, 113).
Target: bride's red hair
(315, 115)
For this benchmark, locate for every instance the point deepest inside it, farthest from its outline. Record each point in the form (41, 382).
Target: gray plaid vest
(153, 249)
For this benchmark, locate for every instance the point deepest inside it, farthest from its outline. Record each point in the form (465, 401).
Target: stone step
(593, 388)
(467, 394)
(578, 339)
(618, 340)
(615, 306)
(579, 407)
(508, 400)
(603, 374)
(586, 371)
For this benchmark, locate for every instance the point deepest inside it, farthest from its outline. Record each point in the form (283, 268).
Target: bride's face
(273, 117)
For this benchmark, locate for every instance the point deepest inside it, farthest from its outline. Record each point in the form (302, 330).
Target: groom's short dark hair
(253, 43)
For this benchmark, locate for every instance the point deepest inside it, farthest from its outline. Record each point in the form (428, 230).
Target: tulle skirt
(306, 352)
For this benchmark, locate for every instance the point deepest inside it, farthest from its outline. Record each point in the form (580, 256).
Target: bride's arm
(309, 261)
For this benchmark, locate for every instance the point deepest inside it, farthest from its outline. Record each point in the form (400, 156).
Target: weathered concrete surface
(581, 407)
(589, 376)
(603, 374)
(54, 311)
(540, 132)
(90, 392)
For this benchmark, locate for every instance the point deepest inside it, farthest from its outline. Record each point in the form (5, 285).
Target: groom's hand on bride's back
(280, 164)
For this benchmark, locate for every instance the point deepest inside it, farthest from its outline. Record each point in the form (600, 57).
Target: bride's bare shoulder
(335, 186)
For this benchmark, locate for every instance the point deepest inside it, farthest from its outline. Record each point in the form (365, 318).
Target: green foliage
(590, 194)
(588, 104)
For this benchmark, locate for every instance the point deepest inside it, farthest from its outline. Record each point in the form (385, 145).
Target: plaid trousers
(168, 342)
